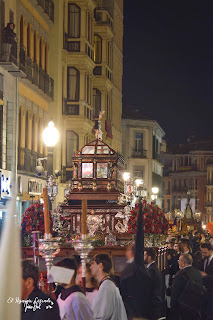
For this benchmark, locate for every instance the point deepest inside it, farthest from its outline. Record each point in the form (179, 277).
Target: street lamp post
(49, 246)
(50, 138)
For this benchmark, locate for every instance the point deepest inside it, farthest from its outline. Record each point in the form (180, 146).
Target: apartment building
(188, 169)
(142, 141)
(86, 60)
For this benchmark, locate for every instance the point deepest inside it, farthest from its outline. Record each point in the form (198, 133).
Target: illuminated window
(97, 49)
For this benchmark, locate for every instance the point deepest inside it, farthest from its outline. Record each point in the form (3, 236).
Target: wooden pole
(46, 212)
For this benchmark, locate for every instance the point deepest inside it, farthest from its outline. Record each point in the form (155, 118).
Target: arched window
(71, 146)
(96, 102)
(74, 21)
(73, 84)
(97, 49)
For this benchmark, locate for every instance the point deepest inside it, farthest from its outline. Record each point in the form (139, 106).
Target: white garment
(75, 307)
(108, 304)
(91, 295)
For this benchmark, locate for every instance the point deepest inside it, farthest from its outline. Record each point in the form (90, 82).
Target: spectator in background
(184, 245)
(130, 261)
(195, 242)
(158, 298)
(186, 272)
(206, 269)
(176, 247)
(171, 245)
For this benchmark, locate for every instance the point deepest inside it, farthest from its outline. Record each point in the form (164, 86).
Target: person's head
(90, 280)
(185, 260)
(196, 234)
(149, 255)
(69, 263)
(130, 251)
(184, 245)
(30, 277)
(77, 259)
(101, 265)
(176, 247)
(171, 253)
(171, 245)
(206, 250)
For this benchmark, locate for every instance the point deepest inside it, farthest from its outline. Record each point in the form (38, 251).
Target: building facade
(142, 140)
(188, 170)
(25, 57)
(86, 59)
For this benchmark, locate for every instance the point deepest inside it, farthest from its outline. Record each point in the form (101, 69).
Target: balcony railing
(35, 74)
(9, 50)
(22, 58)
(102, 16)
(139, 154)
(41, 78)
(71, 46)
(51, 93)
(157, 157)
(29, 68)
(70, 109)
(46, 83)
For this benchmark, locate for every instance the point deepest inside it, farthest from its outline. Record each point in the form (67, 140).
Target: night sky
(168, 64)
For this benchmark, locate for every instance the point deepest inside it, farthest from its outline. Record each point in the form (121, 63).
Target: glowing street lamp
(50, 135)
(126, 176)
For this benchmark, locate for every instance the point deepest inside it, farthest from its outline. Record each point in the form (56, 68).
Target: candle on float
(46, 212)
(84, 217)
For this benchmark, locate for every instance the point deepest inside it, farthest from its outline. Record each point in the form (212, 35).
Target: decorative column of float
(83, 246)
(48, 247)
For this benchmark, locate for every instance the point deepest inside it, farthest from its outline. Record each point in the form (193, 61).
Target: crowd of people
(184, 291)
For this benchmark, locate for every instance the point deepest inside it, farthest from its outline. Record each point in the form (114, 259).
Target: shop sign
(34, 187)
(5, 184)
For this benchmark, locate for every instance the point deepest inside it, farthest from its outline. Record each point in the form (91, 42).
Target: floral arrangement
(33, 219)
(153, 217)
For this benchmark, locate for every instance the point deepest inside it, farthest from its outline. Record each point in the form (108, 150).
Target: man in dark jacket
(36, 305)
(206, 269)
(137, 287)
(185, 273)
(158, 298)
(184, 245)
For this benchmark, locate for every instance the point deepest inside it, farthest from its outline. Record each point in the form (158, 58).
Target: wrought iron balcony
(29, 68)
(46, 83)
(71, 46)
(157, 157)
(22, 58)
(102, 16)
(139, 154)
(9, 50)
(41, 79)
(70, 109)
(51, 92)
(35, 74)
